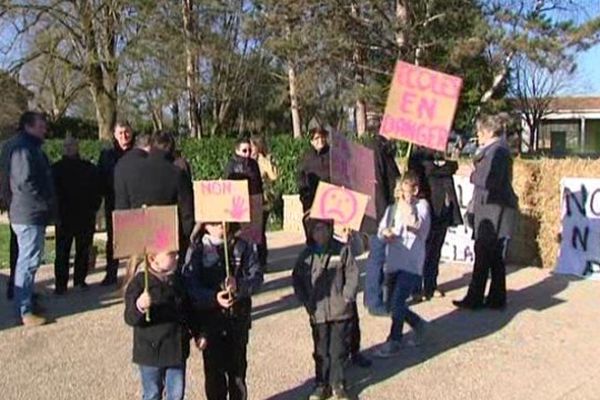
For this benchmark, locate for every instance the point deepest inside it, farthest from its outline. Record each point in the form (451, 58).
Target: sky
(588, 73)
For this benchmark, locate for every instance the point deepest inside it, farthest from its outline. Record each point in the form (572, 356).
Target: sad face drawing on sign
(339, 205)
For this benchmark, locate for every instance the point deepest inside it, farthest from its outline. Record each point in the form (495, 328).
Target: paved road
(544, 346)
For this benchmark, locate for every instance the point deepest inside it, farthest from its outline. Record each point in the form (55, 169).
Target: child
(327, 285)
(404, 227)
(161, 345)
(225, 305)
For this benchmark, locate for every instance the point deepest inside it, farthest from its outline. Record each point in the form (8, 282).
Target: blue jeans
(156, 379)
(30, 239)
(375, 278)
(404, 284)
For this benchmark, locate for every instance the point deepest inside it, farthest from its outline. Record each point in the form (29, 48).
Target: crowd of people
(191, 297)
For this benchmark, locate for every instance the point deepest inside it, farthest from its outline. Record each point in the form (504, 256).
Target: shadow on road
(447, 332)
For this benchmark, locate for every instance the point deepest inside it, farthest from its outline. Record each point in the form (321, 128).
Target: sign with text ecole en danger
(222, 201)
(421, 106)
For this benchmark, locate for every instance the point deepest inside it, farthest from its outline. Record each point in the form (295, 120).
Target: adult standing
(78, 191)
(155, 181)
(314, 167)
(242, 167)
(32, 207)
(494, 208)
(128, 169)
(386, 174)
(268, 172)
(4, 205)
(122, 142)
(437, 186)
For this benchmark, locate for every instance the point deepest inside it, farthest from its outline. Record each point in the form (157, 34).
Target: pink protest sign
(145, 230)
(353, 167)
(421, 106)
(222, 200)
(345, 207)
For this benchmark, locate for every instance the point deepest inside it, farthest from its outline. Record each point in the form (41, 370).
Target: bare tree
(533, 89)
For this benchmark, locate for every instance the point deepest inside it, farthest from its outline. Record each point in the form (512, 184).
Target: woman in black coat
(493, 211)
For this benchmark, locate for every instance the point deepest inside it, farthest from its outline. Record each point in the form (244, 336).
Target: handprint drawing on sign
(238, 208)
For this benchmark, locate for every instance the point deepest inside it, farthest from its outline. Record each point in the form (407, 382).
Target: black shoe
(340, 393)
(467, 305)
(109, 281)
(59, 291)
(360, 360)
(321, 392)
(82, 287)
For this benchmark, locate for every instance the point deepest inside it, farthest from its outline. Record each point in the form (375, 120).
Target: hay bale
(549, 201)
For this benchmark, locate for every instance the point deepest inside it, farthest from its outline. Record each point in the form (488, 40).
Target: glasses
(244, 150)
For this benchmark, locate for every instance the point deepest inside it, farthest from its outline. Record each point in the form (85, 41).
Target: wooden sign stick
(146, 273)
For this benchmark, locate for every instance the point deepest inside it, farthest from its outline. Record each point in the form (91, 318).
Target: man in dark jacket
(77, 184)
(494, 207)
(128, 169)
(32, 208)
(155, 181)
(242, 167)
(123, 140)
(437, 186)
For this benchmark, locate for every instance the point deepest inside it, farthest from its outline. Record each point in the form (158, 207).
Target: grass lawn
(49, 252)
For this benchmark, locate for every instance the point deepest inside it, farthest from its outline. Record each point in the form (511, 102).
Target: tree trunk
(106, 112)
(190, 68)
(294, 102)
(401, 33)
(360, 113)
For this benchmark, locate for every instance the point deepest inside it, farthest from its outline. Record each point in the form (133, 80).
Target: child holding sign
(160, 345)
(220, 276)
(404, 228)
(326, 284)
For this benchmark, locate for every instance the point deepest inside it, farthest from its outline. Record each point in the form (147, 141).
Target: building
(572, 127)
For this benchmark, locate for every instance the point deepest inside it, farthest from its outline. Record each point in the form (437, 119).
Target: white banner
(580, 236)
(459, 245)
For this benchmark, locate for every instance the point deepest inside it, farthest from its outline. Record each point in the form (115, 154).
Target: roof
(575, 104)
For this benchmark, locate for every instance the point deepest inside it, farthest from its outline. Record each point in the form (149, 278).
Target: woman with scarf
(492, 214)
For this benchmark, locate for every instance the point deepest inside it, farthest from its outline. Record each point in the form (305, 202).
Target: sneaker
(360, 360)
(82, 287)
(321, 392)
(339, 393)
(391, 348)
(30, 320)
(109, 281)
(379, 311)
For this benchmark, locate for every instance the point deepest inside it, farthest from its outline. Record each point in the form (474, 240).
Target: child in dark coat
(223, 301)
(161, 345)
(327, 284)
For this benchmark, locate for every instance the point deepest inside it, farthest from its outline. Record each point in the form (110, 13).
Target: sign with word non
(353, 167)
(580, 235)
(421, 106)
(222, 201)
(344, 206)
(459, 246)
(145, 230)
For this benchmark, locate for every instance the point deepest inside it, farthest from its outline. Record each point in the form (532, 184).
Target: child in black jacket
(224, 303)
(326, 284)
(161, 345)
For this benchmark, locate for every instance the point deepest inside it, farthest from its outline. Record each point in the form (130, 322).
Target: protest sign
(353, 167)
(222, 201)
(345, 207)
(459, 246)
(580, 236)
(145, 230)
(421, 106)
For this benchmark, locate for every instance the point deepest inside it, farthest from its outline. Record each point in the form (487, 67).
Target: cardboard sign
(353, 167)
(580, 210)
(421, 106)
(345, 207)
(222, 200)
(459, 246)
(145, 230)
